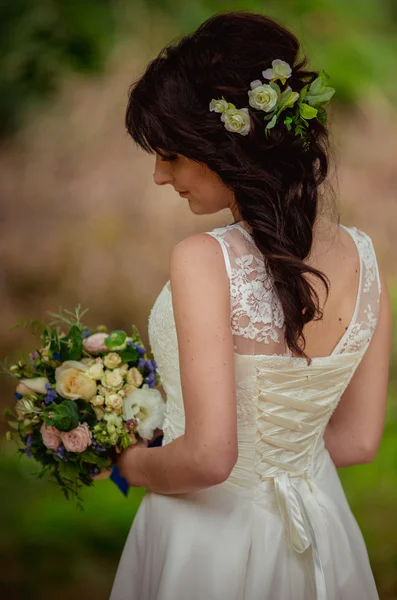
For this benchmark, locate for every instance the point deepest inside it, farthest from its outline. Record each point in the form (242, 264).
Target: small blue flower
(86, 333)
(31, 362)
(60, 453)
(29, 441)
(141, 350)
(56, 356)
(141, 363)
(18, 396)
(130, 344)
(149, 365)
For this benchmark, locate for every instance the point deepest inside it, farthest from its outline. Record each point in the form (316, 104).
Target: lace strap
(224, 244)
(366, 312)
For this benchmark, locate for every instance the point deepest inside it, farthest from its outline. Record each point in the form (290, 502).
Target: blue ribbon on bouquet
(122, 483)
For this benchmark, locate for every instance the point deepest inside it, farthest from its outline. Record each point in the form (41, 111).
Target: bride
(271, 336)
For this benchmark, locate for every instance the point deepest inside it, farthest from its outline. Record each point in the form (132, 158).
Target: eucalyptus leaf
(272, 123)
(307, 112)
(275, 87)
(324, 77)
(325, 95)
(316, 85)
(302, 93)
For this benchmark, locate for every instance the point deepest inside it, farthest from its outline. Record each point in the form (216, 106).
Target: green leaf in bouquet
(322, 115)
(129, 355)
(71, 345)
(68, 471)
(116, 340)
(86, 412)
(63, 416)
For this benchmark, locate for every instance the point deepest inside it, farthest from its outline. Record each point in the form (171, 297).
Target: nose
(162, 172)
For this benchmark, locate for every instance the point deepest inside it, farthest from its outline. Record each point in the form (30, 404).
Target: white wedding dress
(280, 527)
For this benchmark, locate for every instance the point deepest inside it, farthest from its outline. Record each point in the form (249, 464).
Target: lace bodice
(283, 405)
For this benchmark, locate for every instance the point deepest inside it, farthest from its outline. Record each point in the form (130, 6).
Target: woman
(271, 336)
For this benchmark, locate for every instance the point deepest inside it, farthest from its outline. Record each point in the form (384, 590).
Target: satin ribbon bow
(298, 507)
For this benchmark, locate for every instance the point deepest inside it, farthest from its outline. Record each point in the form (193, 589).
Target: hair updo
(275, 179)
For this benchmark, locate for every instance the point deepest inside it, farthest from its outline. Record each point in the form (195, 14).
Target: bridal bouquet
(81, 398)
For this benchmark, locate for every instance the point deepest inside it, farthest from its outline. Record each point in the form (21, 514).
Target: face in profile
(194, 181)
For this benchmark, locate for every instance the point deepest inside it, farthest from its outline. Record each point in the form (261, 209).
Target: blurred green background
(82, 222)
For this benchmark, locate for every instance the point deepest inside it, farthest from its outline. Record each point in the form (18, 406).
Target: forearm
(170, 469)
(346, 447)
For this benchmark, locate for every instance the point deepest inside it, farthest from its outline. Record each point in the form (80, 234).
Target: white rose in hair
(280, 70)
(218, 106)
(147, 405)
(262, 97)
(237, 120)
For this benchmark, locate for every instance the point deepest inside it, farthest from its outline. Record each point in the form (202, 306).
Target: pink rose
(78, 439)
(51, 436)
(95, 343)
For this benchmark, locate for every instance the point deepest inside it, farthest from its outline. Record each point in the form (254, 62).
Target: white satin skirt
(293, 539)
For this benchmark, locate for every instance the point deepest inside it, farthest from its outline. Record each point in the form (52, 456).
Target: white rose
(147, 405)
(115, 402)
(95, 371)
(72, 381)
(36, 384)
(134, 377)
(280, 70)
(97, 400)
(112, 360)
(113, 379)
(262, 97)
(237, 120)
(218, 106)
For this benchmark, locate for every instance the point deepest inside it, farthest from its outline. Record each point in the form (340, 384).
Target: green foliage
(40, 40)
(116, 340)
(64, 416)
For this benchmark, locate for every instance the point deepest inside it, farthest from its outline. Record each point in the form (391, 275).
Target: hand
(123, 459)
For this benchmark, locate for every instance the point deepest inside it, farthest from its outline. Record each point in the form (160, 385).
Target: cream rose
(134, 377)
(51, 436)
(262, 97)
(72, 381)
(113, 379)
(114, 402)
(30, 386)
(218, 106)
(78, 439)
(237, 120)
(97, 400)
(95, 371)
(112, 360)
(280, 70)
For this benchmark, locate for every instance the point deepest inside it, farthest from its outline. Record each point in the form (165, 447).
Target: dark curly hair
(275, 179)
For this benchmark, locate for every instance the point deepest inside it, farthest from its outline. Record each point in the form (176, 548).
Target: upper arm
(201, 306)
(362, 408)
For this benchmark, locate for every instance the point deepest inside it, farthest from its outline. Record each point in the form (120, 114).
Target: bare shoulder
(199, 254)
